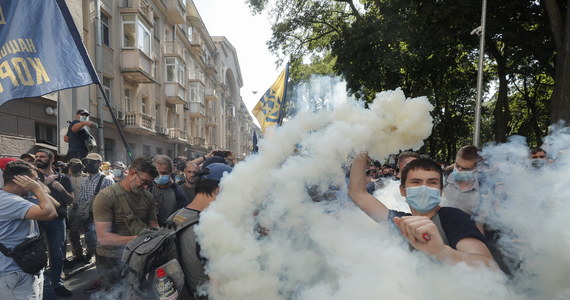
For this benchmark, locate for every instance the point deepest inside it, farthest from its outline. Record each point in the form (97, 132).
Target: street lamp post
(481, 31)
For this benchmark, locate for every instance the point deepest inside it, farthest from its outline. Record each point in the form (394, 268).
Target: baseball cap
(215, 171)
(82, 111)
(212, 160)
(30, 155)
(94, 156)
(119, 164)
(75, 161)
(4, 161)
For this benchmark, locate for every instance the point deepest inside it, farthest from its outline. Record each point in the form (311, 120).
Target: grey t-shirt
(192, 263)
(14, 229)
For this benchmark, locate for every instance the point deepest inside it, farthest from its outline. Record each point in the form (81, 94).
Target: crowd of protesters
(84, 197)
(435, 205)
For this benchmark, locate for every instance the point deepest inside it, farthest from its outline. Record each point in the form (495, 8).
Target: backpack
(151, 249)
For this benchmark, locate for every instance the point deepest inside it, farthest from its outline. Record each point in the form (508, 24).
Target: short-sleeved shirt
(14, 229)
(89, 186)
(77, 139)
(191, 261)
(468, 200)
(106, 208)
(456, 224)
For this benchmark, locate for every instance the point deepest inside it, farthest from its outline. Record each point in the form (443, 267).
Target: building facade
(173, 88)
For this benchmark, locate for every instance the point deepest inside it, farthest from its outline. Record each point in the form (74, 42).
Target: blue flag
(41, 51)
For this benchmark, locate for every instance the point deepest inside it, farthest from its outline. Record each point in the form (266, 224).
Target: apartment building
(173, 88)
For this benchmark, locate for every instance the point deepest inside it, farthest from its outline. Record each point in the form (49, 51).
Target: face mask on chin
(423, 198)
(462, 176)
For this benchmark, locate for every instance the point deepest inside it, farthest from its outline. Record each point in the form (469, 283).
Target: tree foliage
(426, 48)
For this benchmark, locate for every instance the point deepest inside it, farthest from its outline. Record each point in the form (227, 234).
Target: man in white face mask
(78, 134)
(461, 189)
(444, 233)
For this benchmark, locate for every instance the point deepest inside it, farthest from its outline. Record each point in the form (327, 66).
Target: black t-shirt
(456, 224)
(77, 139)
(66, 183)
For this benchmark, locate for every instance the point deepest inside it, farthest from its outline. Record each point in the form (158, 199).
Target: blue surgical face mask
(463, 175)
(423, 198)
(179, 177)
(538, 162)
(162, 179)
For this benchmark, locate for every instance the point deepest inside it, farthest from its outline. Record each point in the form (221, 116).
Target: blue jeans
(55, 233)
(20, 285)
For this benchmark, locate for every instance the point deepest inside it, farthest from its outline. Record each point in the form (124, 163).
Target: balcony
(197, 110)
(210, 69)
(177, 134)
(139, 123)
(210, 94)
(140, 7)
(197, 141)
(174, 93)
(136, 66)
(211, 121)
(175, 11)
(196, 45)
(174, 48)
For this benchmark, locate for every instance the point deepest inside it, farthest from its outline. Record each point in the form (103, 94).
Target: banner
(41, 51)
(269, 109)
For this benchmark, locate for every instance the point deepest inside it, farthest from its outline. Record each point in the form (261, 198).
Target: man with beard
(62, 191)
(191, 172)
(88, 191)
(121, 212)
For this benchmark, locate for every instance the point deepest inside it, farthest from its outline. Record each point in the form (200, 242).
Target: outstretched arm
(423, 235)
(357, 191)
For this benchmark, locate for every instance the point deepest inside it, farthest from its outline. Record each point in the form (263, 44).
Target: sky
(249, 35)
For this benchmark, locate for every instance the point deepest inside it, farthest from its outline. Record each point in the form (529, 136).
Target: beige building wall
(174, 89)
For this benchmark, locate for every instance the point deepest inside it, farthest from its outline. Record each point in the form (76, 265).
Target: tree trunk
(501, 112)
(560, 99)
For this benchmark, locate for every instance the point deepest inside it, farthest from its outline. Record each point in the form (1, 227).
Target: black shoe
(87, 258)
(62, 291)
(70, 263)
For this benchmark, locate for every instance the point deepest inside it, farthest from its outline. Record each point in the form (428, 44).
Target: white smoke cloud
(329, 249)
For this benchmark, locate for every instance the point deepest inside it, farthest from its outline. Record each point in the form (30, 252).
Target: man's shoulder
(454, 214)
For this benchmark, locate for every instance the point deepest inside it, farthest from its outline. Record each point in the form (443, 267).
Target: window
(146, 150)
(127, 100)
(143, 106)
(156, 29)
(196, 92)
(190, 33)
(46, 134)
(174, 70)
(136, 33)
(109, 147)
(157, 113)
(107, 88)
(158, 150)
(105, 35)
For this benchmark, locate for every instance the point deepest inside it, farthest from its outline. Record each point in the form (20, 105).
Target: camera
(221, 153)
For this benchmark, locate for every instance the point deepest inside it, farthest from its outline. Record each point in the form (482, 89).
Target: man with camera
(17, 226)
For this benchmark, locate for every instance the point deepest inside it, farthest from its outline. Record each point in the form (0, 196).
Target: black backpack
(151, 249)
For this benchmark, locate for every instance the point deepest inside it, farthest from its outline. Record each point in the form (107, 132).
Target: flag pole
(282, 108)
(115, 121)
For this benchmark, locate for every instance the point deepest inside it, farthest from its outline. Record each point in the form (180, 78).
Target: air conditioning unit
(163, 130)
(120, 115)
(186, 106)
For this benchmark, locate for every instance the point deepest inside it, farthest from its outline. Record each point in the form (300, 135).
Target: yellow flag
(268, 110)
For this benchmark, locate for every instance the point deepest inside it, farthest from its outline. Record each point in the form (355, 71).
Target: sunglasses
(146, 183)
